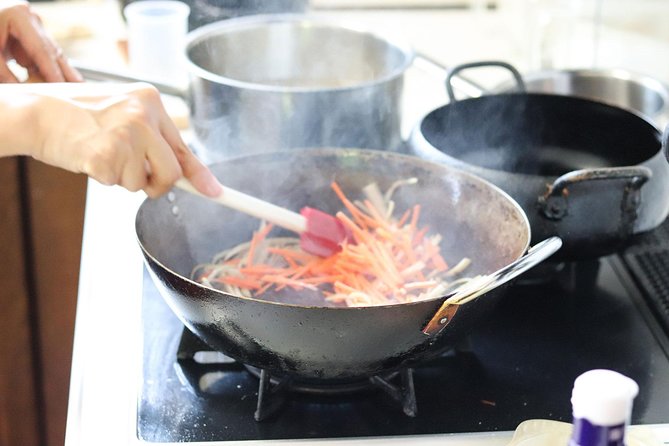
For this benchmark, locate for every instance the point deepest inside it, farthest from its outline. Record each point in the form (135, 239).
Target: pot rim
(311, 19)
(425, 149)
(613, 73)
(652, 84)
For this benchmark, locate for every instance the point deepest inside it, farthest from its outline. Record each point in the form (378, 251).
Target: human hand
(23, 39)
(124, 138)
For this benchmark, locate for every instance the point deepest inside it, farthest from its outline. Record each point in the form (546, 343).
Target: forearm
(29, 113)
(18, 121)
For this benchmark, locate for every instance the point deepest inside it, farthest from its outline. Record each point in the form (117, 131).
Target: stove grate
(275, 390)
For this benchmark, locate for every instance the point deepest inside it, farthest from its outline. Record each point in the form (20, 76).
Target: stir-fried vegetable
(387, 260)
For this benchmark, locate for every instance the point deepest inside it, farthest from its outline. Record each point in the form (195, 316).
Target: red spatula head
(324, 234)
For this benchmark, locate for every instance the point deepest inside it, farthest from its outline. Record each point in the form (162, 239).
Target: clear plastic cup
(156, 39)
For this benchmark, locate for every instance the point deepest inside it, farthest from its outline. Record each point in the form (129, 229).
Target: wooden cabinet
(41, 221)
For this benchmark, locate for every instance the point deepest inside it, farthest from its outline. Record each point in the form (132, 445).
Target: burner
(570, 277)
(199, 367)
(321, 387)
(272, 391)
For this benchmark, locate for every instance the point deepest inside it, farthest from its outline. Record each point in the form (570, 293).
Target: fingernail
(212, 187)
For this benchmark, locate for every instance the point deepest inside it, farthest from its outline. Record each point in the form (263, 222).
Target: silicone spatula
(320, 233)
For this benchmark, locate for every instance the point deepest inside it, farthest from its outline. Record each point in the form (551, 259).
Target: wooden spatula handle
(252, 206)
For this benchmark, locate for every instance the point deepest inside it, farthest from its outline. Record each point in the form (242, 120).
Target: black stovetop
(520, 364)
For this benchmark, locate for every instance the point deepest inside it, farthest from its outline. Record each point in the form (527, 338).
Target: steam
(500, 132)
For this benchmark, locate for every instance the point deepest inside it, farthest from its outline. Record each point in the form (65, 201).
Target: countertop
(107, 347)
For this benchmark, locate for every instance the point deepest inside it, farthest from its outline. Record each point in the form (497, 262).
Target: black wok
(302, 337)
(590, 173)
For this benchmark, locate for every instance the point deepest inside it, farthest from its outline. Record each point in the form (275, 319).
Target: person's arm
(17, 123)
(23, 39)
(116, 134)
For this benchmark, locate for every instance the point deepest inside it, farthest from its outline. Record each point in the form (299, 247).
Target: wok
(296, 335)
(591, 173)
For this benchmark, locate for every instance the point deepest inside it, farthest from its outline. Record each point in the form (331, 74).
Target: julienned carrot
(414, 218)
(404, 218)
(387, 261)
(260, 270)
(419, 236)
(358, 234)
(355, 211)
(257, 238)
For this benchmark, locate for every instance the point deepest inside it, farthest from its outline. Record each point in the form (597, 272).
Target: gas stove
(520, 364)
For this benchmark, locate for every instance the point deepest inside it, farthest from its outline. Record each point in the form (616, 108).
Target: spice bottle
(601, 406)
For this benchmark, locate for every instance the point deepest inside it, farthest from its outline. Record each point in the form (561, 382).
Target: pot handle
(455, 72)
(554, 204)
(462, 84)
(481, 285)
(665, 142)
(95, 73)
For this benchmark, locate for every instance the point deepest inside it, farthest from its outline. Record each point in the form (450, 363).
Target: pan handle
(98, 74)
(454, 73)
(554, 204)
(535, 255)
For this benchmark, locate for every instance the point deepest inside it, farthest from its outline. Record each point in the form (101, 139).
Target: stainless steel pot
(283, 81)
(288, 81)
(621, 88)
